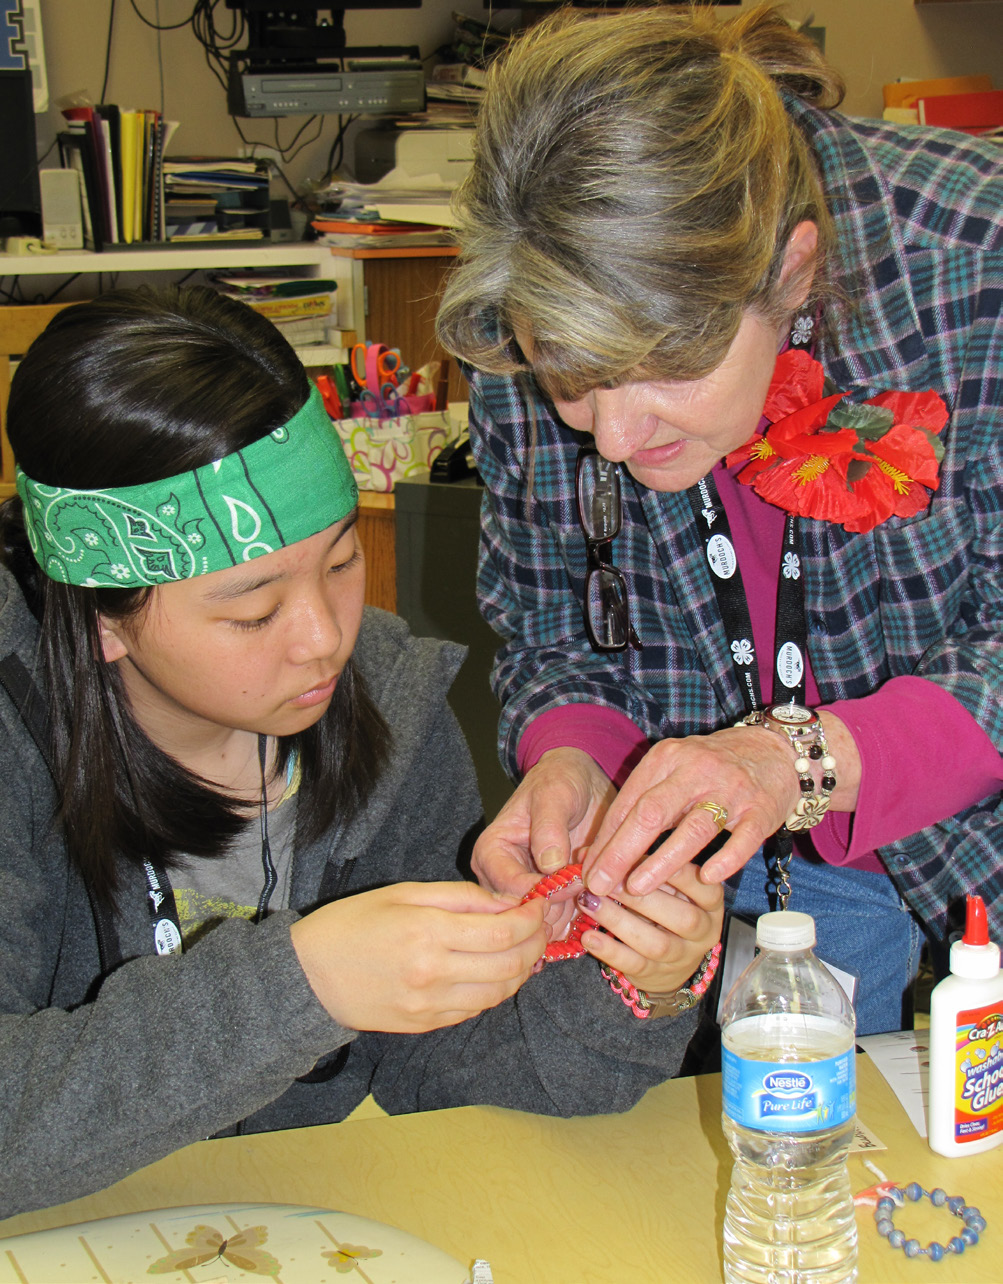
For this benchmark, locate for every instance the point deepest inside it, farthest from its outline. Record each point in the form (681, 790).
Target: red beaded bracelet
(643, 1005)
(571, 947)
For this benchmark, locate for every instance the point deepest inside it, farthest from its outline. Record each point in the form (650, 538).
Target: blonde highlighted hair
(636, 180)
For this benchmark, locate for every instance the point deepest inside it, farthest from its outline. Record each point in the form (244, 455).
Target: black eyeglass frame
(598, 552)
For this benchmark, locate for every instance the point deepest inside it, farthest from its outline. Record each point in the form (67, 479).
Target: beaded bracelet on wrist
(645, 1005)
(812, 806)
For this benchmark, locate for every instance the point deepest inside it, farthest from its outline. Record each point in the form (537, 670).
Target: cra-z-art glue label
(978, 1099)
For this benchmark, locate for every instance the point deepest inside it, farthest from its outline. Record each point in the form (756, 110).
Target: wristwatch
(802, 728)
(800, 724)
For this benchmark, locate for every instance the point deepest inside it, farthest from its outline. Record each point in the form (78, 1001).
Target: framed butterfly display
(209, 1244)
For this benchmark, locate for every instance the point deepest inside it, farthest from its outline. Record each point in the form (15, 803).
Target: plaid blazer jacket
(920, 254)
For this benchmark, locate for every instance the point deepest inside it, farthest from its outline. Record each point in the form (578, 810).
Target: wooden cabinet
(377, 529)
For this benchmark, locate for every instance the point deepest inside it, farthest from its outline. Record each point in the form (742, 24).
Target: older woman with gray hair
(735, 368)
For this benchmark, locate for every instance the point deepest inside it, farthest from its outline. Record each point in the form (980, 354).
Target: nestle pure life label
(815, 1092)
(978, 1084)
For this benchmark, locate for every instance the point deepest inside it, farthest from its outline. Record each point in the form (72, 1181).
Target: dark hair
(129, 388)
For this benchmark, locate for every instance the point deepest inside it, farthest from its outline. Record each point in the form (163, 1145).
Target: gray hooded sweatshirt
(102, 1074)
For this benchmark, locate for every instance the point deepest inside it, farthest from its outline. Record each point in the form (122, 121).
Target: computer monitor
(20, 197)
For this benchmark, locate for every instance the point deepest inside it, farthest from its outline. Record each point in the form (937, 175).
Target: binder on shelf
(121, 155)
(76, 151)
(128, 145)
(152, 176)
(109, 122)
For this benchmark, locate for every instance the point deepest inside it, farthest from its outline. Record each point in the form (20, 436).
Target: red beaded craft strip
(571, 947)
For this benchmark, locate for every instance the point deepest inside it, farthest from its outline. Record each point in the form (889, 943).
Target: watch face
(790, 715)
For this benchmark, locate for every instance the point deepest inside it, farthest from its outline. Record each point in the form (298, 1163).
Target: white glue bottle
(966, 1044)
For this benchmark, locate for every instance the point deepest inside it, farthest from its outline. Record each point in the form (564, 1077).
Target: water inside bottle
(789, 1216)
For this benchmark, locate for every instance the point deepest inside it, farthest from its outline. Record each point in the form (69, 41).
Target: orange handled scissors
(374, 365)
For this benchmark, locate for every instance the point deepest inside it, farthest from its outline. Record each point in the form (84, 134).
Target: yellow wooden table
(621, 1199)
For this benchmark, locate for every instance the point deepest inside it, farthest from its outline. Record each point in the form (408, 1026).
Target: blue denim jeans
(862, 924)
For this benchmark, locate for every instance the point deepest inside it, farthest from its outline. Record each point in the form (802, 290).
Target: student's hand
(417, 956)
(657, 941)
(546, 824)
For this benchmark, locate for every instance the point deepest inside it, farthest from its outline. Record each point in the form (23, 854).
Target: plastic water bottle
(789, 1081)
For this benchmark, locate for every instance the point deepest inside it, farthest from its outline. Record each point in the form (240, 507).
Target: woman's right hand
(548, 823)
(418, 956)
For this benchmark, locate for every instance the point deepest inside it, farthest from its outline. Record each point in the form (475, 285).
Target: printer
(444, 154)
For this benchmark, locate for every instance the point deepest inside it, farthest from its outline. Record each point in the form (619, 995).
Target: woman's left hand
(748, 771)
(659, 940)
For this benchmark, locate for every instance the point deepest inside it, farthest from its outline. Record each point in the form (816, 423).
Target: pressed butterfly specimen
(347, 1257)
(206, 1244)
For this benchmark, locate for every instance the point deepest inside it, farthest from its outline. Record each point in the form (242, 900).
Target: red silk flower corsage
(852, 463)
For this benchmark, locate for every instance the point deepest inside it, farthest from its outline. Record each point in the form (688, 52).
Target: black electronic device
(297, 62)
(20, 193)
(454, 463)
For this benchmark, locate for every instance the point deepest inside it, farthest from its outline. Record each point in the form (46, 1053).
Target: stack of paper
(216, 198)
(281, 298)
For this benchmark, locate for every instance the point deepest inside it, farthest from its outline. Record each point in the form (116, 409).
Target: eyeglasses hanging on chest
(606, 605)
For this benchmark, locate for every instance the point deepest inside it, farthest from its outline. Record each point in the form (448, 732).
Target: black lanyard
(791, 625)
(160, 895)
(163, 910)
(790, 658)
(789, 643)
(790, 654)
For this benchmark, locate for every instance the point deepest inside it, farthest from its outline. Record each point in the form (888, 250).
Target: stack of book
(216, 199)
(456, 82)
(967, 103)
(119, 155)
(300, 306)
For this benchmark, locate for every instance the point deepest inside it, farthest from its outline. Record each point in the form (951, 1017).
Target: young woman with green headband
(235, 803)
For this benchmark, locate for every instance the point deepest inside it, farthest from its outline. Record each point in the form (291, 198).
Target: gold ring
(719, 813)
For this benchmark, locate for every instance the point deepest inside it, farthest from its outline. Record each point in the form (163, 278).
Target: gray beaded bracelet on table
(966, 1238)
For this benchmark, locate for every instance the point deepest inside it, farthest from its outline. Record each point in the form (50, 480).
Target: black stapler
(454, 463)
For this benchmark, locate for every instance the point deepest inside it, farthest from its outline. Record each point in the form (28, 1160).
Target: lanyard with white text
(160, 895)
(791, 625)
(163, 910)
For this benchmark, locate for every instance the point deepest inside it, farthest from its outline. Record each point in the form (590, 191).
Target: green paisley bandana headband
(283, 488)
